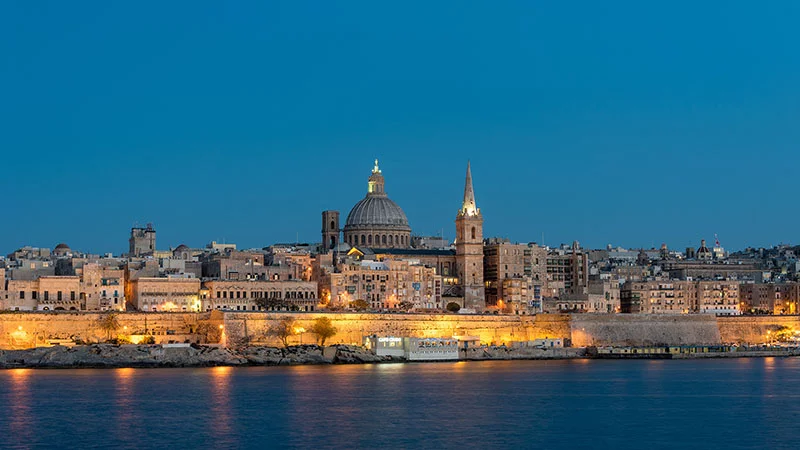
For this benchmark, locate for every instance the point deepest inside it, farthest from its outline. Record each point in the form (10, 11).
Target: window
(72, 295)
(22, 295)
(59, 295)
(473, 232)
(34, 295)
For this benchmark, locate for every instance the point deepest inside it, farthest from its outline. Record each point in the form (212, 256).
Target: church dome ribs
(376, 221)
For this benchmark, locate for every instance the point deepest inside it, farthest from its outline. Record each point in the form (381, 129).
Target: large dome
(377, 221)
(381, 211)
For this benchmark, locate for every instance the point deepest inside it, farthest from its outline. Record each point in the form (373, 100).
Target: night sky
(630, 123)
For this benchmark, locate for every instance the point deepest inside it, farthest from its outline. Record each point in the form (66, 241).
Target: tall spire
(469, 207)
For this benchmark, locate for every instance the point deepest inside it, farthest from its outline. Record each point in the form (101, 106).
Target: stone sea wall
(244, 327)
(643, 329)
(20, 330)
(754, 329)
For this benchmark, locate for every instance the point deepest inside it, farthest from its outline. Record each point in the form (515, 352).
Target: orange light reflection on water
(20, 405)
(124, 401)
(222, 418)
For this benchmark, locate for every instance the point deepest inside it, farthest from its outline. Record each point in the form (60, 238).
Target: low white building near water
(414, 349)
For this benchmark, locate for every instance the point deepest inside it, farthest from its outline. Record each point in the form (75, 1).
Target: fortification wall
(552, 326)
(19, 330)
(753, 329)
(351, 327)
(643, 329)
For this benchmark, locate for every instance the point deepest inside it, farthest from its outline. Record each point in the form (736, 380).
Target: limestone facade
(469, 249)
(769, 298)
(48, 293)
(171, 294)
(103, 287)
(243, 295)
(142, 241)
(384, 285)
(680, 297)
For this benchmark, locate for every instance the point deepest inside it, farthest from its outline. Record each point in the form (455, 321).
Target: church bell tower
(469, 249)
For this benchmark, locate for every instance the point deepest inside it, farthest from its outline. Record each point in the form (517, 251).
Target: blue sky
(630, 123)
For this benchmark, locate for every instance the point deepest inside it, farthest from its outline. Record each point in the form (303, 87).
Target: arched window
(363, 240)
(391, 241)
(369, 239)
(333, 225)
(383, 239)
(473, 232)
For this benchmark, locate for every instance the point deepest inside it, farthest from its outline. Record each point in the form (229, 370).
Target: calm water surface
(740, 403)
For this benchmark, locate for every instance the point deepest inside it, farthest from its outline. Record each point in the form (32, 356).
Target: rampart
(754, 329)
(643, 329)
(25, 329)
(20, 330)
(351, 327)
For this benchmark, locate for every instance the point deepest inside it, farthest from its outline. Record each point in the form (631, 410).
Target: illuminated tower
(469, 249)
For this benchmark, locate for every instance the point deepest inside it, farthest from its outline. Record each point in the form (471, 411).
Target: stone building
(384, 285)
(469, 249)
(375, 221)
(47, 293)
(142, 241)
(710, 270)
(769, 298)
(377, 230)
(604, 295)
(243, 295)
(103, 287)
(567, 272)
(29, 252)
(3, 288)
(680, 297)
(166, 294)
(246, 265)
(514, 275)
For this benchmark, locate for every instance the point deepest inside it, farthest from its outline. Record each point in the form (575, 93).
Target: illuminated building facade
(386, 285)
(166, 294)
(245, 295)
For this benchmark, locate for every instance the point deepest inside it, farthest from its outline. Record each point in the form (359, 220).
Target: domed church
(376, 221)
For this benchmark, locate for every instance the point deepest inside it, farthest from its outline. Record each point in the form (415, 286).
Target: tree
(108, 323)
(282, 329)
(405, 305)
(783, 334)
(453, 307)
(271, 303)
(323, 328)
(359, 305)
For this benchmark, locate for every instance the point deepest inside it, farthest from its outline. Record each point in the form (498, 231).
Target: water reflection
(19, 404)
(221, 419)
(124, 402)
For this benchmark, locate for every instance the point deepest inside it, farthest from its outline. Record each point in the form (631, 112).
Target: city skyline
(608, 124)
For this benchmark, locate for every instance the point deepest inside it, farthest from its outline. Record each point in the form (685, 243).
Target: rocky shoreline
(139, 356)
(150, 356)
